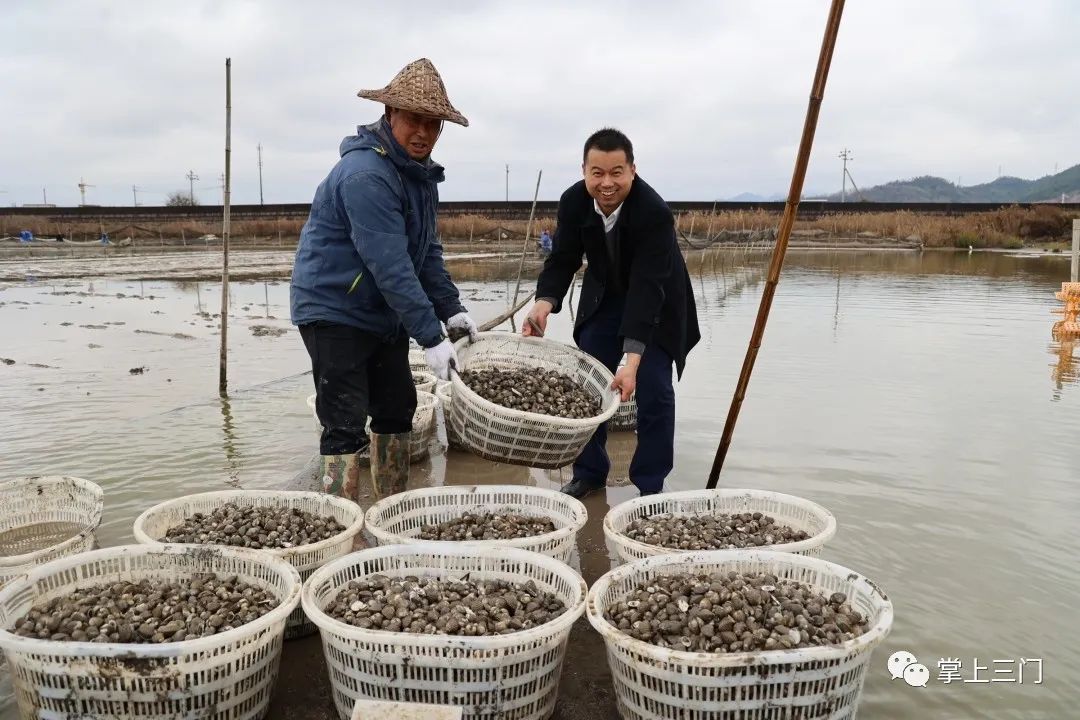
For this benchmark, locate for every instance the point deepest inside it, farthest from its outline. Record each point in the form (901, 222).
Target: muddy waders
(389, 463)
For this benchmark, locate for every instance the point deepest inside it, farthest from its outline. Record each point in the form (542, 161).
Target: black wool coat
(648, 265)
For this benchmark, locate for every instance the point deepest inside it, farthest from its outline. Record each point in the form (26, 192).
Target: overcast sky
(713, 94)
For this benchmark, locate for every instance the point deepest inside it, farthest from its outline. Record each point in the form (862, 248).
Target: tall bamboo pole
(223, 382)
(528, 231)
(832, 27)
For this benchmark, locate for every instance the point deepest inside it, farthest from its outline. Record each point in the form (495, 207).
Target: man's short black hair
(609, 140)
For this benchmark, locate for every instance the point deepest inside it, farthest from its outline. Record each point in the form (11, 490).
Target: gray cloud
(713, 94)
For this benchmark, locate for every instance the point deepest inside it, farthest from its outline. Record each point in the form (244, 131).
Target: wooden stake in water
(1076, 251)
(832, 27)
(528, 230)
(223, 383)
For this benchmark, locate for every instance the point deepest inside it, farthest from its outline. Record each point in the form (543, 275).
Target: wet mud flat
(175, 264)
(851, 407)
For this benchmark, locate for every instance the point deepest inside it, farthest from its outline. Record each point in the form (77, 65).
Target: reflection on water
(905, 391)
(1065, 368)
(228, 443)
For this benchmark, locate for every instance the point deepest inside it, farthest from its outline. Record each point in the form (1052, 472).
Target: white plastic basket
(444, 390)
(795, 512)
(823, 683)
(423, 430)
(45, 518)
(418, 360)
(625, 417)
(516, 436)
(228, 676)
(424, 380)
(386, 710)
(152, 524)
(398, 519)
(424, 424)
(501, 677)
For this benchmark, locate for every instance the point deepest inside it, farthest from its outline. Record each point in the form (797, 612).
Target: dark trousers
(655, 453)
(357, 374)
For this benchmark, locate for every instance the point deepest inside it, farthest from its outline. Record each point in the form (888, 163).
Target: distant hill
(1005, 189)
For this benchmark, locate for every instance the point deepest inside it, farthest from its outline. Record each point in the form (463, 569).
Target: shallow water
(919, 397)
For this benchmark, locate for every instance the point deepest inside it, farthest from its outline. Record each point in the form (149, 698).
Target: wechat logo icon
(903, 664)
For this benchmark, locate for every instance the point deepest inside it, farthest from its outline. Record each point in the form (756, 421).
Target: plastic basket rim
(443, 391)
(429, 377)
(12, 562)
(73, 648)
(312, 396)
(422, 402)
(352, 530)
(470, 396)
(866, 641)
(624, 508)
(476, 643)
(426, 399)
(578, 510)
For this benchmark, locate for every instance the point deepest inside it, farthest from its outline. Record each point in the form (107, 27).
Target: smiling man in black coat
(636, 301)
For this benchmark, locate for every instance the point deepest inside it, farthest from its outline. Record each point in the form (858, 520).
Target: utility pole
(259, 146)
(135, 195)
(192, 177)
(508, 182)
(44, 200)
(845, 155)
(82, 190)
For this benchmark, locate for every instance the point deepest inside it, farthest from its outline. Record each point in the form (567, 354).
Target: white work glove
(441, 358)
(462, 321)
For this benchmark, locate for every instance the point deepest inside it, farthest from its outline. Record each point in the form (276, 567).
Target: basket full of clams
(148, 632)
(528, 401)
(722, 519)
(480, 627)
(307, 529)
(752, 634)
(530, 518)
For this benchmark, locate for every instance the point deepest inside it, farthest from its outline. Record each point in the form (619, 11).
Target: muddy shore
(48, 260)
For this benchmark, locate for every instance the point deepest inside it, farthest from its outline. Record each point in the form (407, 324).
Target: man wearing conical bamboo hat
(369, 275)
